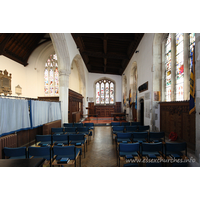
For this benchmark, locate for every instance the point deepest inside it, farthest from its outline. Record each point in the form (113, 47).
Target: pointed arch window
(168, 67)
(192, 44)
(51, 76)
(105, 90)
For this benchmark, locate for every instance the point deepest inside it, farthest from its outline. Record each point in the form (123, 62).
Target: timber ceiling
(107, 53)
(19, 46)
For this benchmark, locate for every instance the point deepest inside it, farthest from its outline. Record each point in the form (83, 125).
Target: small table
(34, 162)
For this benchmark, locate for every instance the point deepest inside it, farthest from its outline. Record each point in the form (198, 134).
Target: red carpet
(101, 120)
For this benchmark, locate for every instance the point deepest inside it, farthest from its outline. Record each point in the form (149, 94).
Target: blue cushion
(18, 157)
(78, 144)
(176, 156)
(152, 156)
(125, 153)
(146, 153)
(129, 156)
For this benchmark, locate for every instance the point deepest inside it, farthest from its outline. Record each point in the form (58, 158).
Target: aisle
(101, 151)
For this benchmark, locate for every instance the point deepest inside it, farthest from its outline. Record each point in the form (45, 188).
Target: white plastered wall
(144, 61)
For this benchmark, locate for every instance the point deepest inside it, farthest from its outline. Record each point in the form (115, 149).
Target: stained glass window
(192, 44)
(179, 66)
(168, 67)
(104, 92)
(51, 76)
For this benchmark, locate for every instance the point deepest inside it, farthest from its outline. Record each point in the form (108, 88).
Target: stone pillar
(197, 83)
(64, 94)
(186, 47)
(173, 67)
(61, 48)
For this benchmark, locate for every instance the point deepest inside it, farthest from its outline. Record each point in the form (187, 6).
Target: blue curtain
(43, 112)
(14, 115)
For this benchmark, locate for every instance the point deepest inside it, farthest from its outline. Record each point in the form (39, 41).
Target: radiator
(7, 141)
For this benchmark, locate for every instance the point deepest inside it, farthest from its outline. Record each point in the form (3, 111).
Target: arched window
(51, 76)
(179, 67)
(178, 49)
(105, 90)
(192, 44)
(168, 67)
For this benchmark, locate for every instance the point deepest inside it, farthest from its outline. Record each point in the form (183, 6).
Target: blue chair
(129, 150)
(140, 137)
(57, 131)
(40, 152)
(123, 137)
(15, 153)
(130, 129)
(135, 123)
(180, 164)
(60, 140)
(43, 139)
(152, 150)
(78, 125)
(70, 152)
(117, 129)
(125, 123)
(143, 128)
(156, 137)
(90, 126)
(78, 140)
(68, 125)
(70, 130)
(176, 150)
(115, 124)
(84, 130)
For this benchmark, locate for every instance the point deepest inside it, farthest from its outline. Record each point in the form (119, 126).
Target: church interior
(106, 88)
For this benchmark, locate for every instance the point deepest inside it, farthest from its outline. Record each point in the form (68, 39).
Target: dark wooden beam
(111, 37)
(4, 42)
(103, 55)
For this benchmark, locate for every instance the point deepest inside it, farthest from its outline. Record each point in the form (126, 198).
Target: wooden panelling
(104, 111)
(75, 104)
(174, 117)
(47, 127)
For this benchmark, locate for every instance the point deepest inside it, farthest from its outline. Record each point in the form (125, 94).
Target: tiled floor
(101, 151)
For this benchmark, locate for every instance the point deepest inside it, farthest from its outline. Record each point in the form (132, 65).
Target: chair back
(68, 125)
(115, 124)
(70, 129)
(152, 147)
(131, 128)
(57, 130)
(118, 128)
(76, 137)
(69, 151)
(15, 152)
(129, 147)
(176, 147)
(82, 129)
(140, 135)
(143, 128)
(124, 135)
(89, 124)
(156, 136)
(135, 123)
(39, 151)
(63, 137)
(78, 124)
(125, 123)
(43, 138)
